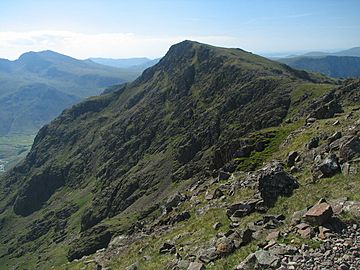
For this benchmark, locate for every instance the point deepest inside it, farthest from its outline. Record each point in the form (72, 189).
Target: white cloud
(79, 45)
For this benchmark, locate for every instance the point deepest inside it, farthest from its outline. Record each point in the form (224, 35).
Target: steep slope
(100, 164)
(29, 108)
(333, 66)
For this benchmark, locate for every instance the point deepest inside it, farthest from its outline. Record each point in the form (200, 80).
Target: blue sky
(110, 28)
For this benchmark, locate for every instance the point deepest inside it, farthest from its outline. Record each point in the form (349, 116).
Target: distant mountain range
(132, 63)
(39, 85)
(342, 64)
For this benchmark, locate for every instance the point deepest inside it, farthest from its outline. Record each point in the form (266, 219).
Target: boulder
(208, 255)
(329, 166)
(241, 209)
(266, 260)
(337, 135)
(217, 225)
(291, 158)
(313, 143)
(167, 247)
(350, 149)
(174, 201)
(240, 238)
(223, 175)
(215, 194)
(348, 169)
(224, 246)
(248, 263)
(134, 266)
(196, 266)
(319, 214)
(274, 181)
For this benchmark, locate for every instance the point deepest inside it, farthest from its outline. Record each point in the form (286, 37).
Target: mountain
(35, 88)
(29, 108)
(125, 62)
(333, 66)
(148, 169)
(80, 78)
(354, 52)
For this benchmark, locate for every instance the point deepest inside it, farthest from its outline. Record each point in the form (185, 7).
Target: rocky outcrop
(274, 181)
(89, 242)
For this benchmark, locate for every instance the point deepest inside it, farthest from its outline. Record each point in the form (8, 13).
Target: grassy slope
(190, 231)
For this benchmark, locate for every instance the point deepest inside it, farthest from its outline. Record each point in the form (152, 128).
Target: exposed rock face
(89, 242)
(327, 110)
(275, 182)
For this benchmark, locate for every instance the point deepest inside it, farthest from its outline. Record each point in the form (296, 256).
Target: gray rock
(174, 201)
(134, 266)
(337, 135)
(266, 259)
(196, 266)
(350, 149)
(223, 175)
(248, 263)
(275, 181)
(329, 166)
(313, 143)
(215, 194)
(167, 247)
(291, 158)
(208, 255)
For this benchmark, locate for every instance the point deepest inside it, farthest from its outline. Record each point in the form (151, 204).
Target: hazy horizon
(119, 29)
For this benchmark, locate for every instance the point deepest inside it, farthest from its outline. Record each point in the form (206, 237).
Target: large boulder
(274, 181)
(329, 166)
(319, 214)
(350, 149)
(174, 201)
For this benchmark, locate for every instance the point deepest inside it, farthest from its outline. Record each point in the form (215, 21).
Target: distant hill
(333, 66)
(355, 52)
(129, 63)
(36, 87)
